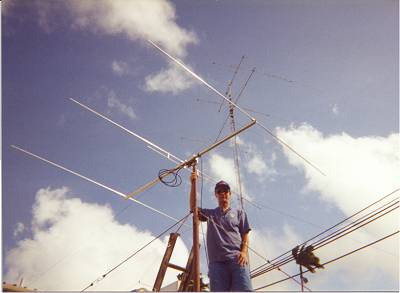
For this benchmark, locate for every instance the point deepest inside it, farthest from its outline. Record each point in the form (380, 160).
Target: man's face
(223, 196)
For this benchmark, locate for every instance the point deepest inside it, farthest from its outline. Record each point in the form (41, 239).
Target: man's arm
(243, 255)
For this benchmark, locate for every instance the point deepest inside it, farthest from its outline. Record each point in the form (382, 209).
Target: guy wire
(133, 254)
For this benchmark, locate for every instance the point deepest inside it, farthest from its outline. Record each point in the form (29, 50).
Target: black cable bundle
(175, 179)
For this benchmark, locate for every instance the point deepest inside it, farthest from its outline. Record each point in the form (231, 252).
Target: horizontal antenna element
(93, 181)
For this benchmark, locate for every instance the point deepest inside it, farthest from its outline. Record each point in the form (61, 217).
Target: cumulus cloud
(75, 242)
(256, 163)
(258, 166)
(138, 20)
(19, 229)
(335, 109)
(120, 67)
(372, 268)
(169, 80)
(114, 103)
(253, 163)
(223, 168)
(360, 170)
(269, 245)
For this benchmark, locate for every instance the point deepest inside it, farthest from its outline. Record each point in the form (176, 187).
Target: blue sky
(326, 82)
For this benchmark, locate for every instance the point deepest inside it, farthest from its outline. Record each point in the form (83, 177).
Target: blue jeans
(229, 276)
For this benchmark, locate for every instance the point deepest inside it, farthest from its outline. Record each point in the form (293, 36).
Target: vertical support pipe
(301, 278)
(196, 250)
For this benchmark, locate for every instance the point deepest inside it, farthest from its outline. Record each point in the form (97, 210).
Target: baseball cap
(222, 185)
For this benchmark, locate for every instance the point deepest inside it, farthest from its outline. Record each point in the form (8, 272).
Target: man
(227, 243)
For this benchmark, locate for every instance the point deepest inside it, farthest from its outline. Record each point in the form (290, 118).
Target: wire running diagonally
(336, 225)
(339, 233)
(333, 260)
(69, 254)
(181, 222)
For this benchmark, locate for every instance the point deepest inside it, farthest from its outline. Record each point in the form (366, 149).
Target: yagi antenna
(189, 162)
(93, 181)
(280, 141)
(152, 146)
(193, 193)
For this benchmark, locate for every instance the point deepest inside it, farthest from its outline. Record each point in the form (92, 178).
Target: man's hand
(242, 259)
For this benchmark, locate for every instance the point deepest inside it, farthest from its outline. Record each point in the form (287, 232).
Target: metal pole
(301, 278)
(196, 245)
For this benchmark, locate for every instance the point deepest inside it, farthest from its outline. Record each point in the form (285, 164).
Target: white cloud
(270, 245)
(256, 164)
(140, 20)
(335, 109)
(19, 229)
(137, 20)
(375, 267)
(120, 67)
(223, 169)
(114, 103)
(75, 242)
(372, 268)
(253, 163)
(359, 172)
(169, 80)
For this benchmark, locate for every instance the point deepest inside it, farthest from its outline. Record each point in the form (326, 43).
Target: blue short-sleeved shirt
(224, 233)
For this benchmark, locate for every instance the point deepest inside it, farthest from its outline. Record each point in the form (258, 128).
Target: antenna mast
(233, 127)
